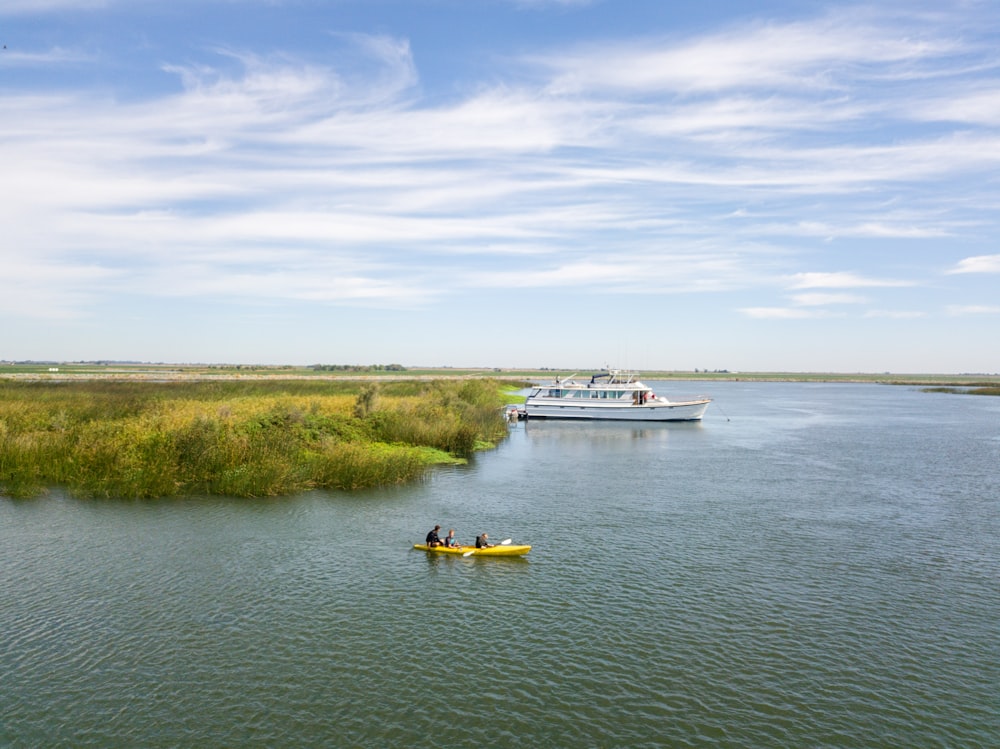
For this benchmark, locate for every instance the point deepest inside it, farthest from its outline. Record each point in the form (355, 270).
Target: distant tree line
(358, 368)
(253, 367)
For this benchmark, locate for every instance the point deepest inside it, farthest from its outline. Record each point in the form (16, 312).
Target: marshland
(110, 438)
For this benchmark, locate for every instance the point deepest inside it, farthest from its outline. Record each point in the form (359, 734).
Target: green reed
(245, 439)
(967, 390)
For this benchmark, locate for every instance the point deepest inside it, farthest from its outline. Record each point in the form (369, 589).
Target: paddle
(505, 542)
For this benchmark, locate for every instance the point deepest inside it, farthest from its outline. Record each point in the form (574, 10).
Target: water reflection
(607, 431)
(442, 561)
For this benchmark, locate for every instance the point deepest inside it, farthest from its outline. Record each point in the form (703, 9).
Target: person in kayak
(432, 537)
(483, 541)
(450, 539)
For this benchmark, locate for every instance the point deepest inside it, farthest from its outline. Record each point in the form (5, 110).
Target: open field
(220, 372)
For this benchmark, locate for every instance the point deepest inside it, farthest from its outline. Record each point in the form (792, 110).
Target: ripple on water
(739, 585)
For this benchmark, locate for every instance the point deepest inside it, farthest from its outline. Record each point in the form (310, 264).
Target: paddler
(432, 537)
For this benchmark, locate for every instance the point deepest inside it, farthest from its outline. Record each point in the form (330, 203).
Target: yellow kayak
(500, 550)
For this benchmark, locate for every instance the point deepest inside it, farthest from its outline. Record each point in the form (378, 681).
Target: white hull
(683, 411)
(611, 396)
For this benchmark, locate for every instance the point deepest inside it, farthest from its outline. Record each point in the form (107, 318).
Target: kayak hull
(510, 550)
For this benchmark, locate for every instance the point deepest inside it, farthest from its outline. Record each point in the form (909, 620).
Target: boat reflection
(607, 431)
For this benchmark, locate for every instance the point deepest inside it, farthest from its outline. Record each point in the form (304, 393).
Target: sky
(652, 184)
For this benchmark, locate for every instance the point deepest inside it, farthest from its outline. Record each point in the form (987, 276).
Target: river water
(814, 565)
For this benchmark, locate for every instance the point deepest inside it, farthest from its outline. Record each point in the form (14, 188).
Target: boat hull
(560, 409)
(510, 550)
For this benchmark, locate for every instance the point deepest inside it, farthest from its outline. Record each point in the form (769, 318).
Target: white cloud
(961, 310)
(896, 314)
(333, 179)
(49, 289)
(30, 7)
(898, 227)
(819, 299)
(13, 57)
(840, 280)
(782, 313)
(978, 264)
(812, 55)
(621, 273)
(969, 104)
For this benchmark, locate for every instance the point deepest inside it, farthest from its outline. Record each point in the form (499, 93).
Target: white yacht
(613, 394)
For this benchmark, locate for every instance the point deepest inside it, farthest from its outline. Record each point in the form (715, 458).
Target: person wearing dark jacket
(432, 537)
(483, 542)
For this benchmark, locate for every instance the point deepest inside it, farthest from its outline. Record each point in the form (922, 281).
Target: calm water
(822, 569)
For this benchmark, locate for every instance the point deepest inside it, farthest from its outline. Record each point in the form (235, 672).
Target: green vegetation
(59, 371)
(363, 368)
(249, 438)
(972, 390)
(512, 397)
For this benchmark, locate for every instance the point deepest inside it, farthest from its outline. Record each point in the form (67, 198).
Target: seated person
(450, 540)
(432, 537)
(482, 542)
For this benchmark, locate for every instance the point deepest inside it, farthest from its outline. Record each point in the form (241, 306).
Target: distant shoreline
(208, 373)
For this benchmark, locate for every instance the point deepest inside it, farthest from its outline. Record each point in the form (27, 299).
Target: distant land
(161, 371)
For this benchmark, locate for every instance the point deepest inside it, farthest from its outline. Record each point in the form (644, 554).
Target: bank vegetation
(244, 439)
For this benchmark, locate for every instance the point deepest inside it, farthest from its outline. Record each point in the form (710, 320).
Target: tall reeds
(123, 439)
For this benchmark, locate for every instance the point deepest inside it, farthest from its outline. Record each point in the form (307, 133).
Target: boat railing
(685, 398)
(623, 376)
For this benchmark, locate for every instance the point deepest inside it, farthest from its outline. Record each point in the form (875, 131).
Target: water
(819, 570)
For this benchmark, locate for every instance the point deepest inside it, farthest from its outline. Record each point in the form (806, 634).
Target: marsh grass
(121, 439)
(970, 390)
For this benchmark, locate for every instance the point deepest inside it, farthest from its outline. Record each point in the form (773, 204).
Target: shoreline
(196, 373)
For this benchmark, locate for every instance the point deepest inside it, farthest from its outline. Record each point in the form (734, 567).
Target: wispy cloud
(809, 305)
(820, 300)
(33, 7)
(841, 280)
(814, 55)
(602, 167)
(896, 314)
(783, 313)
(978, 264)
(961, 310)
(14, 58)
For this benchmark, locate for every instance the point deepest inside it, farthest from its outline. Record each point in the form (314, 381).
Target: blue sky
(796, 186)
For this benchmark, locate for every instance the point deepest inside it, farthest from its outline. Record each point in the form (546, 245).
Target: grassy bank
(257, 438)
(973, 390)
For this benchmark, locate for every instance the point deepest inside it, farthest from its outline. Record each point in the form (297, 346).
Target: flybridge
(615, 376)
